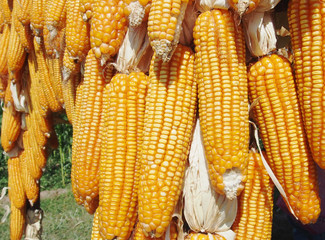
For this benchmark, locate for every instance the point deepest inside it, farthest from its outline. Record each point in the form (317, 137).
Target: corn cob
(4, 43)
(223, 102)
(95, 229)
(33, 169)
(204, 236)
(36, 90)
(169, 120)
(255, 207)
(164, 26)
(278, 117)
(306, 18)
(46, 84)
(16, 190)
(123, 117)
(56, 77)
(86, 9)
(55, 16)
(16, 52)
(31, 186)
(137, 13)
(243, 6)
(37, 18)
(108, 28)
(10, 128)
(76, 117)
(24, 32)
(69, 96)
(17, 222)
(77, 39)
(24, 14)
(86, 143)
(6, 8)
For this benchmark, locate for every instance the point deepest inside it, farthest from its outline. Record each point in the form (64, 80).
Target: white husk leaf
(6, 207)
(204, 209)
(260, 33)
(186, 36)
(134, 47)
(266, 5)
(207, 5)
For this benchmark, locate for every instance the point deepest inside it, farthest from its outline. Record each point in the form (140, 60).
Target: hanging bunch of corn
(133, 76)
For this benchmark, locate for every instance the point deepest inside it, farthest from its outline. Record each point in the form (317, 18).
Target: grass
(63, 219)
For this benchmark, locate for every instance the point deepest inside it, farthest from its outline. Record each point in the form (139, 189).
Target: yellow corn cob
(77, 39)
(123, 119)
(8, 100)
(108, 28)
(55, 16)
(86, 9)
(25, 12)
(16, 51)
(24, 32)
(243, 6)
(4, 43)
(10, 128)
(255, 204)
(37, 18)
(44, 78)
(31, 186)
(76, 117)
(204, 236)
(169, 120)
(17, 222)
(69, 96)
(56, 77)
(281, 128)
(36, 90)
(33, 169)
(95, 229)
(164, 25)
(306, 18)
(6, 8)
(223, 101)
(16, 189)
(86, 143)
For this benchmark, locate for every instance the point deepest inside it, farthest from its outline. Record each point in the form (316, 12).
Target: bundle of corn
(133, 76)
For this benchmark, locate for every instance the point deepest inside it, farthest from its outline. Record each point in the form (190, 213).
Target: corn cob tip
(163, 48)
(232, 180)
(135, 12)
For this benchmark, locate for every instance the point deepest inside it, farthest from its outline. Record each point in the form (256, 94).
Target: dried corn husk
(134, 48)
(260, 33)
(204, 209)
(266, 5)
(186, 36)
(207, 5)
